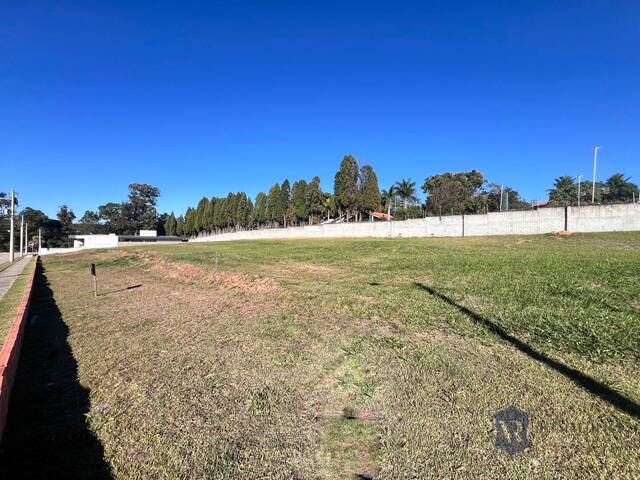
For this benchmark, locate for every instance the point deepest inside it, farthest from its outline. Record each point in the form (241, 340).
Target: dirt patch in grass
(222, 279)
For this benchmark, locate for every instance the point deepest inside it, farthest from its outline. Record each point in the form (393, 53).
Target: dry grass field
(322, 359)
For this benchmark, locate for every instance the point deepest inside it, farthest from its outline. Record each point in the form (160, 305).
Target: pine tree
(170, 225)
(180, 226)
(369, 190)
(200, 210)
(260, 209)
(299, 201)
(345, 185)
(275, 212)
(242, 211)
(190, 222)
(229, 210)
(285, 191)
(209, 221)
(218, 215)
(314, 198)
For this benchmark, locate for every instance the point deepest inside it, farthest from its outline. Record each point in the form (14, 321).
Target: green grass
(10, 302)
(331, 358)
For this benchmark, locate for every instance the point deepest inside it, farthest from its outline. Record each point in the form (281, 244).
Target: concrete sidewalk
(8, 275)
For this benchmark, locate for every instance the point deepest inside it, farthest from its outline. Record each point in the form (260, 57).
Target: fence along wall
(599, 218)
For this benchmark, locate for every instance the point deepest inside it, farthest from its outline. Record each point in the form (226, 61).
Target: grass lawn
(10, 301)
(317, 359)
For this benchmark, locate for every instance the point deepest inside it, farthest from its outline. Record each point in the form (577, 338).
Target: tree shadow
(583, 380)
(46, 434)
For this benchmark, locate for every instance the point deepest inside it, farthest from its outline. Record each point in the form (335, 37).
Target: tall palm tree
(563, 191)
(619, 189)
(406, 190)
(388, 196)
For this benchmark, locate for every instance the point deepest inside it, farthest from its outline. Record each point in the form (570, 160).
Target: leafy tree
(90, 218)
(495, 192)
(111, 214)
(66, 217)
(142, 205)
(345, 185)
(410, 212)
(454, 193)
(406, 190)
(369, 190)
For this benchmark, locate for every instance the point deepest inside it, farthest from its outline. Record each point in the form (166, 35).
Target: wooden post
(95, 279)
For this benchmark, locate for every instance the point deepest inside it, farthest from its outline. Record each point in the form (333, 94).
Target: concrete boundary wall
(598, 218)
(10, 352)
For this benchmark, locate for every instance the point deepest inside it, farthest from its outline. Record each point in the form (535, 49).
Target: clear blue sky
(206, 97)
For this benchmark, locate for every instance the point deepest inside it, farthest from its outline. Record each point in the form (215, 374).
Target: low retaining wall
(10, 352)
(598, 218)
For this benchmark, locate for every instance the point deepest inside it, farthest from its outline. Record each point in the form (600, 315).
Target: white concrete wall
(605, 218)
(100, 241)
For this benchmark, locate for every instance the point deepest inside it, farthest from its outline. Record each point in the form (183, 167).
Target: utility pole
(39, 240)
(595, 159)
(579, 177)
(26, 238)
(12, 256)
(21, 234)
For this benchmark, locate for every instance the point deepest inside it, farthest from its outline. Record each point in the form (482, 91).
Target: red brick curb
(11, 350)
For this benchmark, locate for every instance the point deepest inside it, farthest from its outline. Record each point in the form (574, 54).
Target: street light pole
(593, 186)
(21, 234)
(12, 256)
(579, 177)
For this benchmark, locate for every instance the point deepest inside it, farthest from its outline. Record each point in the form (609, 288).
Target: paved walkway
(8, 275)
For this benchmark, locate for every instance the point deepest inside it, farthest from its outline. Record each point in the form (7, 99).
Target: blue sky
(200, 98)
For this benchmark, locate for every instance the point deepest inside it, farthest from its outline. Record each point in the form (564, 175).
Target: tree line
(122, 218)
(616, 189)
(356, 195)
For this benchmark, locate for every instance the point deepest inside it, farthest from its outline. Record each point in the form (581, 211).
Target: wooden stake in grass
(95, 279)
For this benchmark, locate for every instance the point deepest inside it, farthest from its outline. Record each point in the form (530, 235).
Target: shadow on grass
(46, 434)
(588, 383)
(130, 287)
